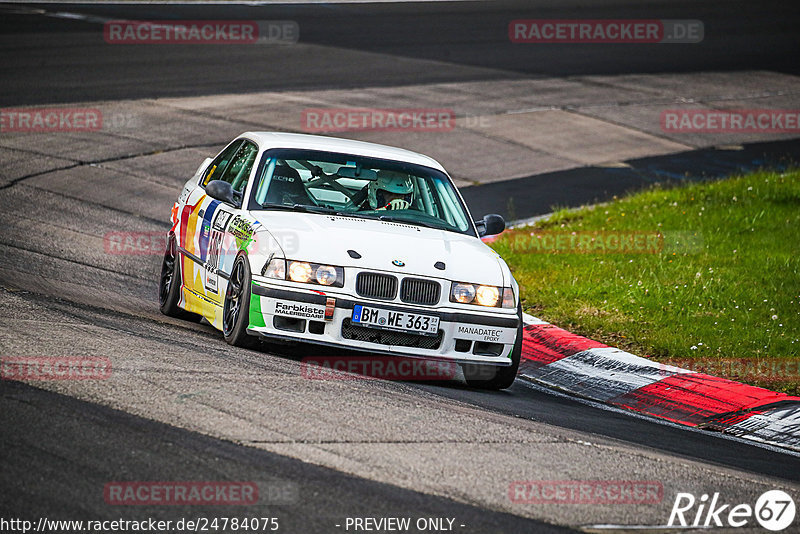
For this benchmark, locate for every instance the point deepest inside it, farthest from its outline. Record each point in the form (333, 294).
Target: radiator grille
(419, 291)
(376, 286)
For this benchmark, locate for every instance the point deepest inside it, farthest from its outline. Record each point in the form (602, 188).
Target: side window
(217, 167)
(238, 170)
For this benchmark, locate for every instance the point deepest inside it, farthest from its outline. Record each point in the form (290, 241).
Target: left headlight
(305, 272)
(482, 295)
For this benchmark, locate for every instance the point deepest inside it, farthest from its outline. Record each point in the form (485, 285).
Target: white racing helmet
(393, 182)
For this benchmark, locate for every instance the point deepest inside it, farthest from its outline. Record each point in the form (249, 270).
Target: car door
(193, 225)
(213, 245)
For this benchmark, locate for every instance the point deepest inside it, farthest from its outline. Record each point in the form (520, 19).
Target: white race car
(342, 243)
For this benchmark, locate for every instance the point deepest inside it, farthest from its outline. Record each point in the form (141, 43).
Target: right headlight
(482, 295)
(305, 272)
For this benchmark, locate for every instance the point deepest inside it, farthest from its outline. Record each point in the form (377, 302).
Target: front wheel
(236, 310)
(491, 377)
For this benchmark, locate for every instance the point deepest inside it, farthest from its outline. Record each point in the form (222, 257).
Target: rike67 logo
(774, 510)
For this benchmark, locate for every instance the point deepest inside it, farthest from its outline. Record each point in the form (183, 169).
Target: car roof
(269, 140)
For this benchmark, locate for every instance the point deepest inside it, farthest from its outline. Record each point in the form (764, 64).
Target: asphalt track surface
(119, 439)
(593, 184)
(182, 405)
(739, 36)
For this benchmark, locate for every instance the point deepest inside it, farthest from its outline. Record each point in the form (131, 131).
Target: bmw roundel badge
(398, 263)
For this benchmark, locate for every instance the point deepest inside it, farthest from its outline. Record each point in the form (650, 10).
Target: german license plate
(395, 320)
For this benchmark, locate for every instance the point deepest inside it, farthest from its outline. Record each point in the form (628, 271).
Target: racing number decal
(212, 260)
(220, 221)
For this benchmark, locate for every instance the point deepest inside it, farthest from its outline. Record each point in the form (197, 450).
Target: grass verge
(705, 275)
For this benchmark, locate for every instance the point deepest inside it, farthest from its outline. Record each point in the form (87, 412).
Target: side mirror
(222, 190)
(491, 224)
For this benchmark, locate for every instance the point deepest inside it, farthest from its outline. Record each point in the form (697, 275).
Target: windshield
(355, 186)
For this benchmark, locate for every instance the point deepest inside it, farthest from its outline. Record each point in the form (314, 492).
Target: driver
(390, 191)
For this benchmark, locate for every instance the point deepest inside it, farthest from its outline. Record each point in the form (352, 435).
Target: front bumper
(290, 313)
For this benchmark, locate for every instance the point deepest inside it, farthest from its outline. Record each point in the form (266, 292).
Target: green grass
(725, 285)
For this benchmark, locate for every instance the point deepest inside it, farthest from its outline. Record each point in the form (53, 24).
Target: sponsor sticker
(221, 220)
(296, 309)
(490, 334)
(184, 194)
(241, 228)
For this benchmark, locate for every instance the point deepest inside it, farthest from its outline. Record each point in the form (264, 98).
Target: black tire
(169, 285)
(498, 377)
(236, 309)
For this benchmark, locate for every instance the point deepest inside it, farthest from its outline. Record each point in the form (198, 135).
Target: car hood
(327, 239)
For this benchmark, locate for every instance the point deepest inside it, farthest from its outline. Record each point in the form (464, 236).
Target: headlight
(326, 275)
(463, 293)
(489, 296)
(305, 272)
(299, 271)
(276, 268)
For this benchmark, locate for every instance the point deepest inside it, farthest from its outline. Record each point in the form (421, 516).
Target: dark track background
(66, 62)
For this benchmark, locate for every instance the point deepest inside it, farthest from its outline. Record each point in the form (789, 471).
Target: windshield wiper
(315, 209)
(330, 211)
(389, 218)
(305, 208)
(300, 207)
